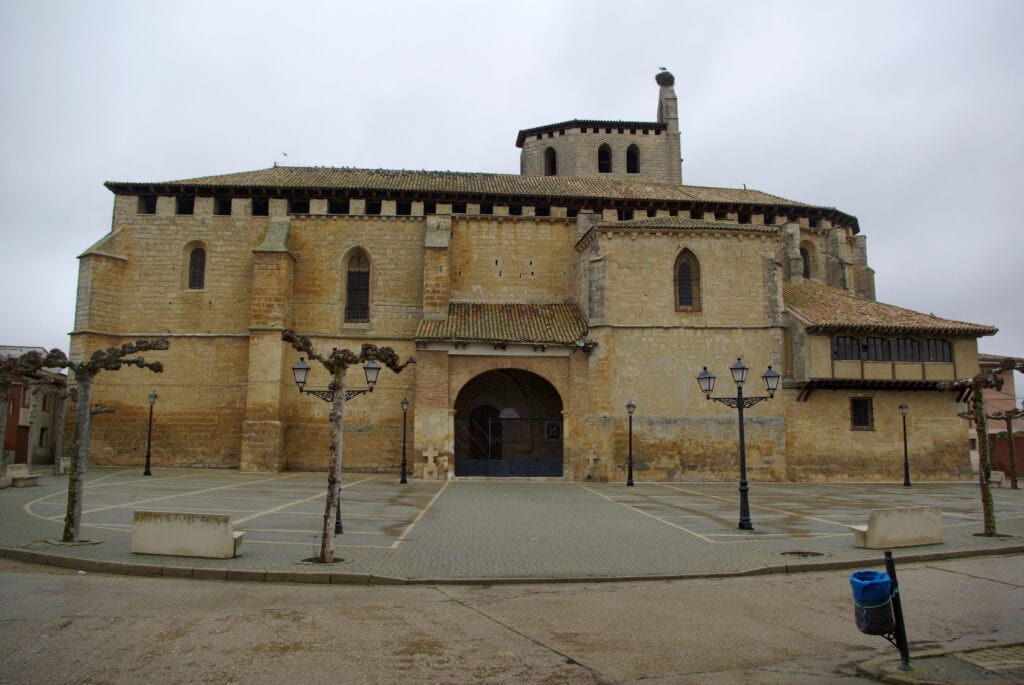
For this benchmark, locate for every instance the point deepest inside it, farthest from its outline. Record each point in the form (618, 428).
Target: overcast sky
(904, 114)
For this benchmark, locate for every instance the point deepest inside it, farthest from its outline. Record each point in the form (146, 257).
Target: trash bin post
(897, 608)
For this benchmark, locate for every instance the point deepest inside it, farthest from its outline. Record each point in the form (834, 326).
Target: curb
(176, 570)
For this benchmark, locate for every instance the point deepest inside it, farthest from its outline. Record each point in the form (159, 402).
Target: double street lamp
(301, 373)
(771, 378)
(906, 461)
(149, 434)
(630, 408)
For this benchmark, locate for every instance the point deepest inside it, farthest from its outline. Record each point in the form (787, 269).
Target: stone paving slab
(493, 530)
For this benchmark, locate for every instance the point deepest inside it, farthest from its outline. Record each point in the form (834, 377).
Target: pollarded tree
(986, 378)
(337, 362)
(111, 359)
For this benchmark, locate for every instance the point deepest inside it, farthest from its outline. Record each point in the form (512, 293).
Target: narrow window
(805, 257)
(197, 269)
(550, 162)
(877, 350)
(938, 351)
(24, 398)
(632, 159)
(908, 350)
(862, 415)
(42, 437)
(184, 205)
(46, 403)
(373, 206)
(687, 282)
(147, 204)
(260, 206)
(337, 206)
(298, 206)
(846, 348)
(604, 159)
(357, 296)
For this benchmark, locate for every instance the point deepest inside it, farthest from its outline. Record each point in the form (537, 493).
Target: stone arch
(808, 259)
(604, 159)
(633, 159)
(550, 162)
(508, 422)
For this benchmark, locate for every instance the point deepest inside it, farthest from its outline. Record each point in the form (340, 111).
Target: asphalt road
(65, 626)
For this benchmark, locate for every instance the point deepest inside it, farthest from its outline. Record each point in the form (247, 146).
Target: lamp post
(405, 409)
(630, 408)
(906, 461)
(771, 378)
(149, 433)
(301, 373)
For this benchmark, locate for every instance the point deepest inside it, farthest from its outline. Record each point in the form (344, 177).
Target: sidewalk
(1003, 664)
(495, 531)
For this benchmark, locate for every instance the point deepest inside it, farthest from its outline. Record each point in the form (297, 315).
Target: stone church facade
(536, 306)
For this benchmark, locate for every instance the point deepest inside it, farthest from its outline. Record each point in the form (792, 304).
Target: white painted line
(396, 543)
(656, 518)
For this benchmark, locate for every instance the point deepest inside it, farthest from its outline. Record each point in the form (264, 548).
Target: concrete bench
(185, 535)
(904, 527)
(19, 476)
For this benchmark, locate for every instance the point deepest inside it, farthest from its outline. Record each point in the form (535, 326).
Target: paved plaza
(492, 531)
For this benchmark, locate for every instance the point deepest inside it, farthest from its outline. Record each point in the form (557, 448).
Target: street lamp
(630, 407)
(300, 372)
(405, 409)
(771, 378)
(149, 433)
(906, 462)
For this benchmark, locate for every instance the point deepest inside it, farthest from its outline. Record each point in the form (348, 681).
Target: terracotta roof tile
(826, 309)
(684, 224)
(321, 179)
(510, 322)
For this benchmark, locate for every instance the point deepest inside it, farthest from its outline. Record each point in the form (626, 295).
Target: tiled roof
(684, 224)
(326, 179)
(511, 322)
(591, 123)
(826, 309)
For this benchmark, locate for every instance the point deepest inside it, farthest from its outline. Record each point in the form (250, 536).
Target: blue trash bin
(872, 602)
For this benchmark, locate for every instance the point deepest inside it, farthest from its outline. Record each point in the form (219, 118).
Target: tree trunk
(334, 471)
(1013, 454)
(76, 481)
(984, 465)
(58, 442)
(33, 424)
(5, 393)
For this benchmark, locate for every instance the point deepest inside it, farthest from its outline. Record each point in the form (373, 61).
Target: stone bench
(185, 535)
(19, 476)
(903, 527)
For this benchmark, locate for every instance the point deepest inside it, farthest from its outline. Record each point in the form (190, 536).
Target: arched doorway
(508, 423)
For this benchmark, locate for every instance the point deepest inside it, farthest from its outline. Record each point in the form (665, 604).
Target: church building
(537, 307)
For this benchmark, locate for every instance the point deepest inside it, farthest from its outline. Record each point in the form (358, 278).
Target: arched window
(604, 159)
(687, 282)
(808, 259)
(632, 159)
(197, 269)
(805, 258)
(357, 291)
(550, 162)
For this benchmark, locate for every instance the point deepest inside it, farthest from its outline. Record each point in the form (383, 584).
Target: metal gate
(486, 446)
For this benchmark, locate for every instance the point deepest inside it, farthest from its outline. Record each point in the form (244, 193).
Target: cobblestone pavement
(482, 533)
(491, 531)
